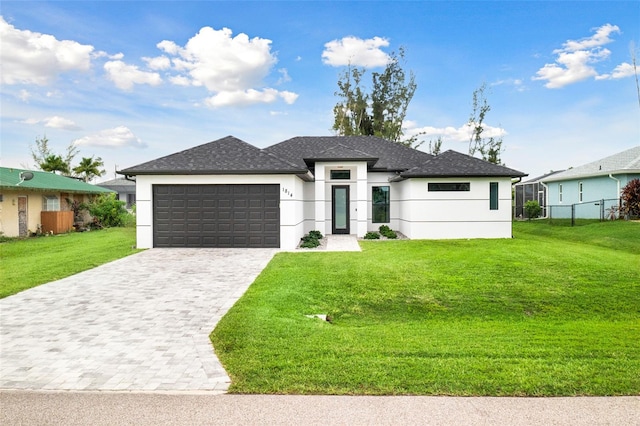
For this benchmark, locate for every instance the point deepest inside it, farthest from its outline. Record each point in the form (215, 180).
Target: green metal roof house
(26, 194)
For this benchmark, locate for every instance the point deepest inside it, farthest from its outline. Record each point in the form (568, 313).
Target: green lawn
(34, 261)
(554, 311)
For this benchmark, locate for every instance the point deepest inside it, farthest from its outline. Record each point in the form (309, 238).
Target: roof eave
(599, 173)
(211, 172)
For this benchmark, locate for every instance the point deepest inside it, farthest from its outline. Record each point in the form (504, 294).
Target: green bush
(316, 234)
(532, 209)
(372, 236)
(311, 240)
(388, 232)
(108, 212)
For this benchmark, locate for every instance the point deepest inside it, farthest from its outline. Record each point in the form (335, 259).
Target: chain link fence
(585, 212)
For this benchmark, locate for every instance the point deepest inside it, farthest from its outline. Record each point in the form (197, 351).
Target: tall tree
(89, 168)
(380, 112)
(489, 148)
(54, 163)
(41, 152)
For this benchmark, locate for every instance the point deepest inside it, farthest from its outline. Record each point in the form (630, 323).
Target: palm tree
(89, 168)
(54, 163)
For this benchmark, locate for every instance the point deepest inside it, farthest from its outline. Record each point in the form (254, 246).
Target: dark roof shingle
(454, 164)
(228, 155)
(390, 156)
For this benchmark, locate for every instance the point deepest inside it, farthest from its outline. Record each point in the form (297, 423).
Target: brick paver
(139, 323)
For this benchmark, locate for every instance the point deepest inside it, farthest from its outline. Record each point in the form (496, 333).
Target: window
(560, 193)
(340, 174)
(50, 203)
(579, 192)
(493, 195)
(380, 204)
(449, 186)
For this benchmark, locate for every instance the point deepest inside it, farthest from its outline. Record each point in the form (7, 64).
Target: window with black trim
(493, 195)
(449, 186)
(380, 207)
(340, 174)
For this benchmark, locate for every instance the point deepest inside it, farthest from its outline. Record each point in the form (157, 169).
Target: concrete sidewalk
(108, 408)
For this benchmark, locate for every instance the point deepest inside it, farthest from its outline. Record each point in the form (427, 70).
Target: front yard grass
(34, 261)
(551, 312)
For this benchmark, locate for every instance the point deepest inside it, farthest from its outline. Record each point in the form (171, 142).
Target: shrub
(372, 236)
(631, 198)
(311, 240)
(388, 232)
(107, 211)
(316, 234)
(532, 209)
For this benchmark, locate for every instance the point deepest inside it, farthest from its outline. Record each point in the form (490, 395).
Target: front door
(340, 209)
(22, 216)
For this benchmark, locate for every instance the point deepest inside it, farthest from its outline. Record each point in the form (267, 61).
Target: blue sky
(132, 81)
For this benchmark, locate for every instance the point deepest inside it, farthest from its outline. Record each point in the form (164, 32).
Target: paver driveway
(139, 323)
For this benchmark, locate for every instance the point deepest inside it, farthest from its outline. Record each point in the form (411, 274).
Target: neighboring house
(531, 190)
(228, 193)
(36, 200)
(584, 188)
(125, 190)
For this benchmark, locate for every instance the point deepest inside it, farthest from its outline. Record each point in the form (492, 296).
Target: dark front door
(340, 209)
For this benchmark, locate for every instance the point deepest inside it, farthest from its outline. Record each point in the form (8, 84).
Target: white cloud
(621, 71)
(575, 60)
(118, 137)
(24, 95)
(158, 63)
(450, 133)
(55, 122)
(356, 51)
(249, 97)
(285, 78)
(33, 58)
(232, 68)
(125, 76)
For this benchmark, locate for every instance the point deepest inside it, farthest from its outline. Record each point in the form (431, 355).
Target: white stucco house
(228, 193)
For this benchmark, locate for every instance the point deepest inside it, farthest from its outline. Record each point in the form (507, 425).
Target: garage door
(216, 216)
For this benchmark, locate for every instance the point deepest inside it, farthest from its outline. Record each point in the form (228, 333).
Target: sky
(132, 81)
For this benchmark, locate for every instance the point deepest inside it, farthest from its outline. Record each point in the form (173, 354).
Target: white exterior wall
(450, 215)
(291, 201)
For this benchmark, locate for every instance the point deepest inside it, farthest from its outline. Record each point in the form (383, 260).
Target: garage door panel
(216, 215)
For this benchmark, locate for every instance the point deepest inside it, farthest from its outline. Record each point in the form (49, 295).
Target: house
(125, 190)
(531, 190)
(228, 193)
(34, 200)
(593, 189)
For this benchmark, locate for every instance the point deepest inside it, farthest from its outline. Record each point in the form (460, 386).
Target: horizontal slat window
(449, 186)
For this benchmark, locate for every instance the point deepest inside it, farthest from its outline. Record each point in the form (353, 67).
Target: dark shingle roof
(389, 155)
(228, 155)
(119, 185)
(454, 164)
(45, 181)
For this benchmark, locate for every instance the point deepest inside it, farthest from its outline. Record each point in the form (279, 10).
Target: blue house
(592, 190)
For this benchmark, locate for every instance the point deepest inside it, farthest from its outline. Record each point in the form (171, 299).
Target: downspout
(128, 177)
(546, 199)
(617, 192)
